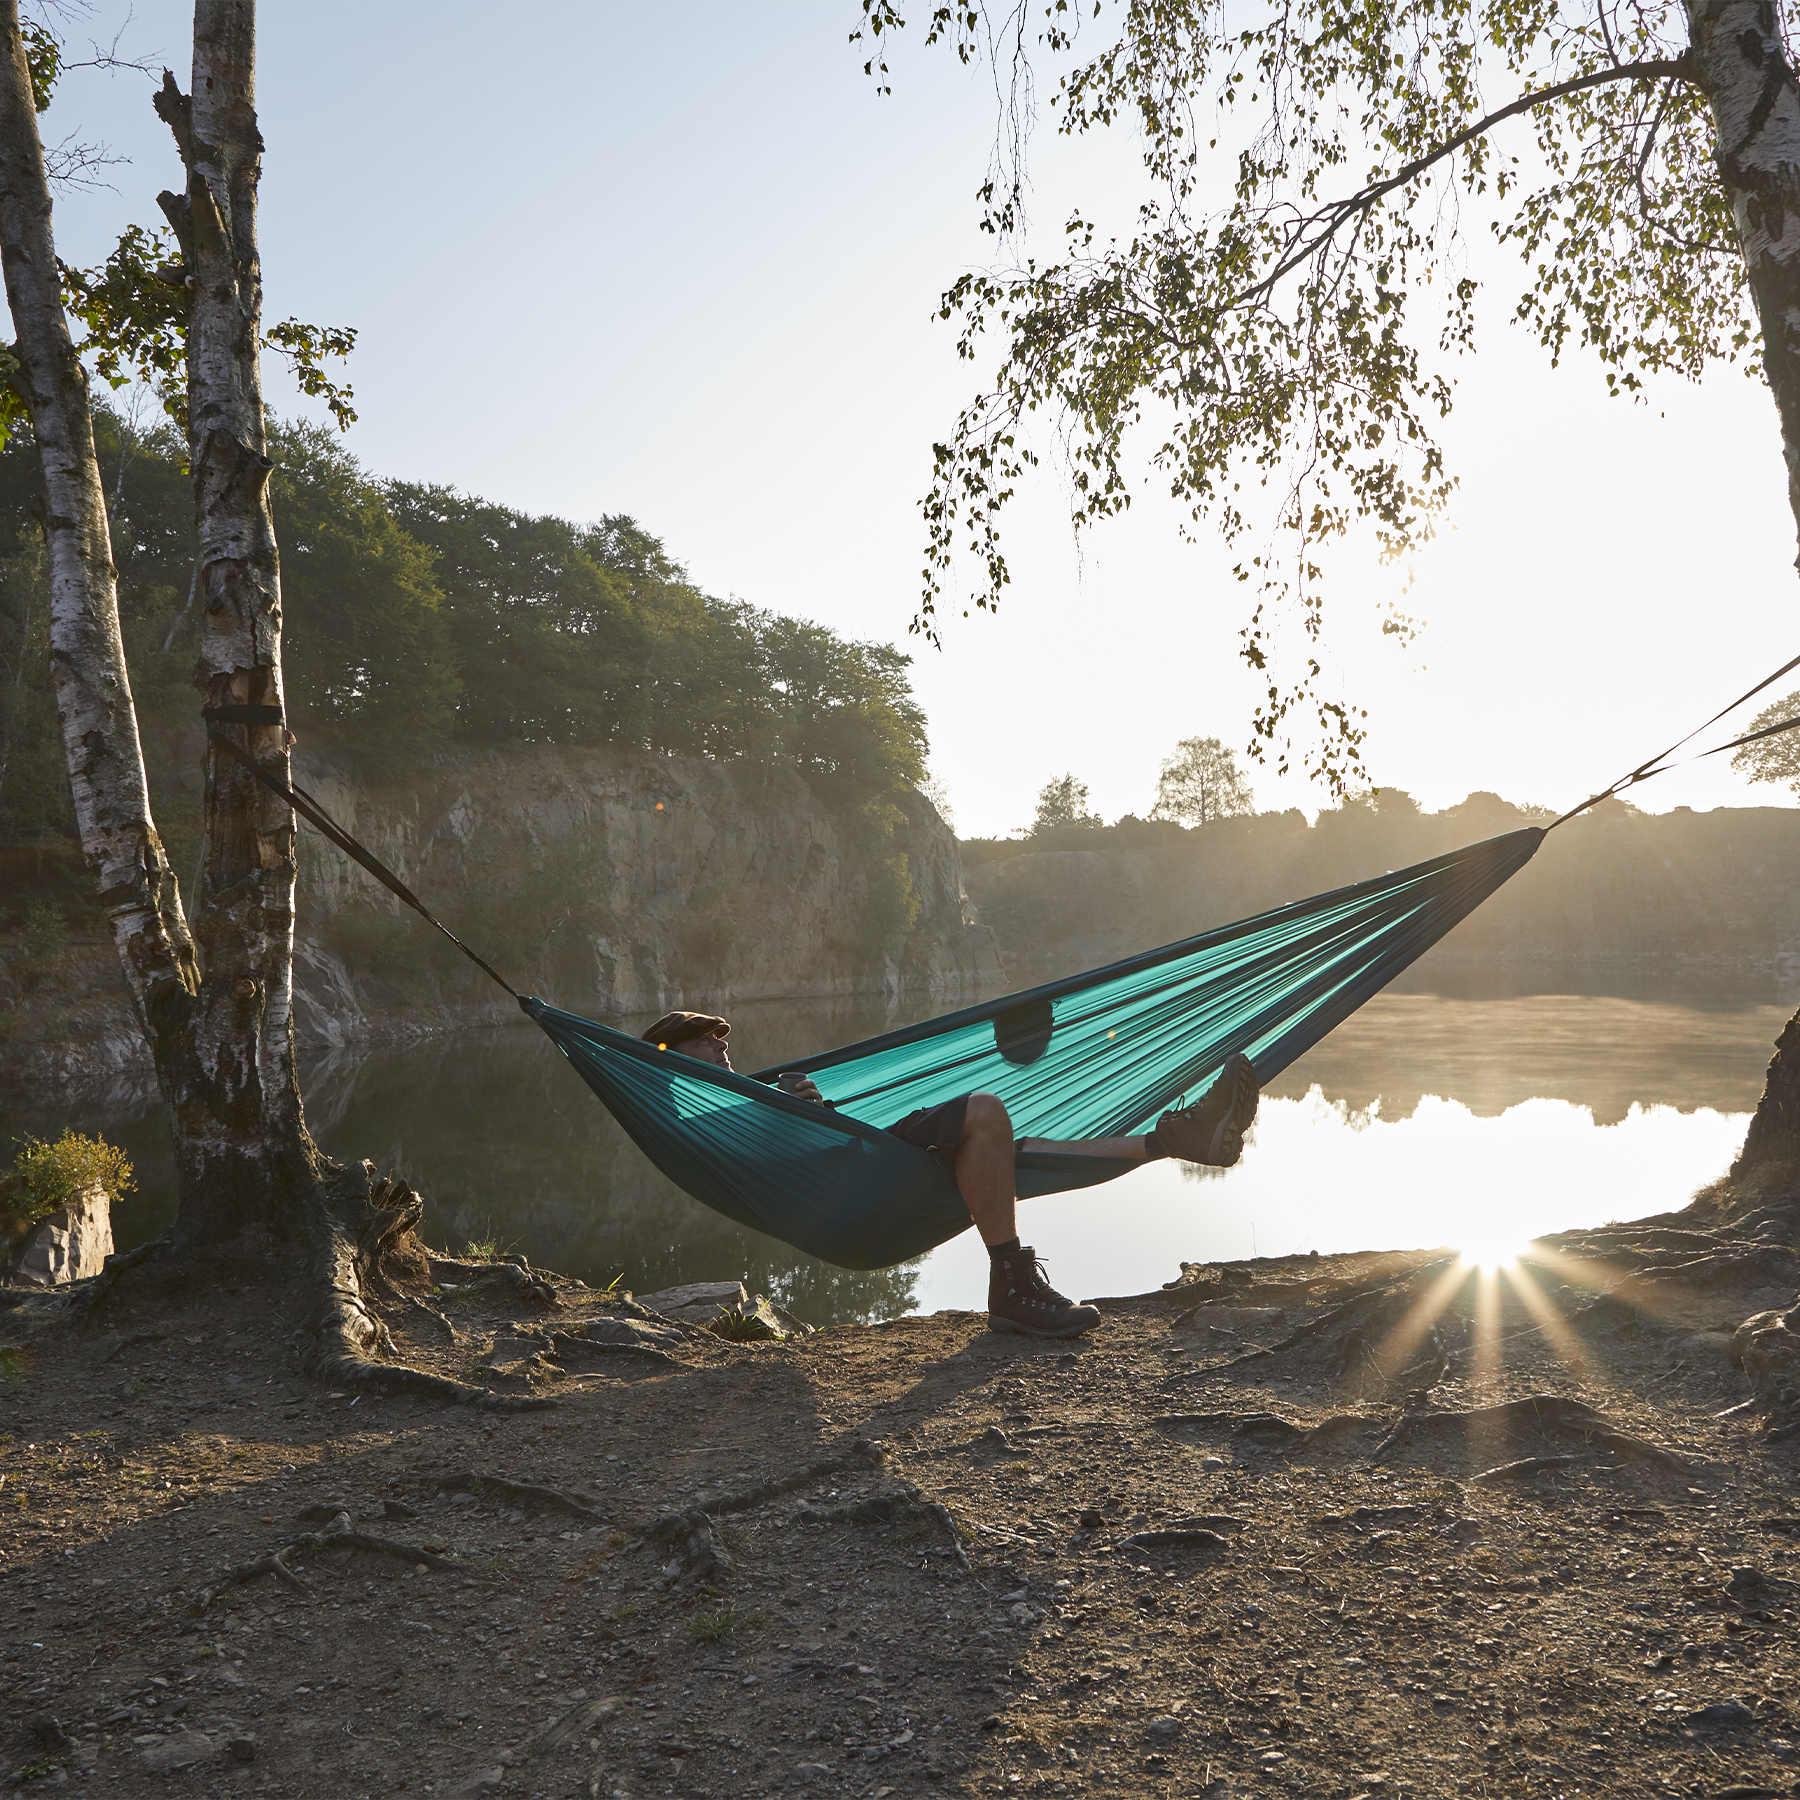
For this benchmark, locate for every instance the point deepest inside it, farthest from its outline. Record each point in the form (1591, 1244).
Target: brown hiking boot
(1021, 1299)
(1212, 1130)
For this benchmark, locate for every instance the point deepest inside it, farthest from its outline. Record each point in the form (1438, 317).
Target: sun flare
(1492, 1248)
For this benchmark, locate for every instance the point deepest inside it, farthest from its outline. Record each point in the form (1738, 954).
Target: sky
(683, 263)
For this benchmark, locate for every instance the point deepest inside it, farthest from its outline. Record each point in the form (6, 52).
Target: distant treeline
(418, 617)
(1613, 884)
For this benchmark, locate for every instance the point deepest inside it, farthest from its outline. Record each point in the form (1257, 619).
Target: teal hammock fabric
(1099, 1054)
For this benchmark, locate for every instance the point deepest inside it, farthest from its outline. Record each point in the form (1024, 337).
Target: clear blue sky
(682, 262)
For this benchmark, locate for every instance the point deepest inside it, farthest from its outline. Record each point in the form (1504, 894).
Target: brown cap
(677, 1028)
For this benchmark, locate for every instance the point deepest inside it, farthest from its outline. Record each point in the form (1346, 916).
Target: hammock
(1094, 1055)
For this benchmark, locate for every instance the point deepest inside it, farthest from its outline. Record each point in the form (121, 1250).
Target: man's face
(713, 1050)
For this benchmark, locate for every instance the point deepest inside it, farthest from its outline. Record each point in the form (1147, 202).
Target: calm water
(1426, 1119)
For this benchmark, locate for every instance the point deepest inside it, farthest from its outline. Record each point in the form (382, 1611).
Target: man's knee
(986, 1117)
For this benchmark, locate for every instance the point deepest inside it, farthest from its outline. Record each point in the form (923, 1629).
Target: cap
(677, 1028)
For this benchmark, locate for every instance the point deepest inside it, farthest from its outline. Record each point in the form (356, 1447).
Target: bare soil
(1407, 1552)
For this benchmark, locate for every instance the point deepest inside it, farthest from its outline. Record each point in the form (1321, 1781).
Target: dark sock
(1152, 1149)
(996, 1251)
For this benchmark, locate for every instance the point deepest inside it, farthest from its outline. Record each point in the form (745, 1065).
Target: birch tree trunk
(87, 655)
(255, 1154)
(1742, 66)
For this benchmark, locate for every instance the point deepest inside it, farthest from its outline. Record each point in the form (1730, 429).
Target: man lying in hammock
(974, 1134)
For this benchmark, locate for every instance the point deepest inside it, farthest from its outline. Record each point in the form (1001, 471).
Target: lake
(1429, 1118)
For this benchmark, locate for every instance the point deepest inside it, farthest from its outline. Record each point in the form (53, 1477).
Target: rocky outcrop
(69, 1244)
(619, 884)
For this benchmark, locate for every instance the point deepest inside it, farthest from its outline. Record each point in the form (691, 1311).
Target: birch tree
(214, 993)
(1199, 783)
(1276, 332)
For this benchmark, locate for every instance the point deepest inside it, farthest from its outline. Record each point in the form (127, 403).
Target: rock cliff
(619, 884)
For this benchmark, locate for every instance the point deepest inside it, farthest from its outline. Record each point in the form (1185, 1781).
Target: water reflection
(1541, 1111)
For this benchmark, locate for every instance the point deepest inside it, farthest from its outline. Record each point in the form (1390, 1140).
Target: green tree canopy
(1280, 319)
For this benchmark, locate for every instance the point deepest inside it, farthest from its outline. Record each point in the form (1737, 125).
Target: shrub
(45, 1177)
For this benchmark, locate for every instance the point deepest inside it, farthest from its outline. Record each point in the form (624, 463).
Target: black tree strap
(310, 809)
(1659, 764)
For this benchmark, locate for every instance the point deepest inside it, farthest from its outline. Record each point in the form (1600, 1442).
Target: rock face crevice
(617, 884)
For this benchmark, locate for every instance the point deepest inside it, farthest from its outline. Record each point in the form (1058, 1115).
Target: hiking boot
(1212, 1130)
(1021, 1299)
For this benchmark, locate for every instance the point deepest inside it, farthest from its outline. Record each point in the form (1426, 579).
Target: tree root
(562, 1344)
(1553, 1415)
(692, 1532)
(515, 1278)
(522, 1493)
(432, 1313)
(337, 1534)
(1527, 1468)
(366, 1228)
(1179, 1539)
(899, 1503)
(1268, 1430)
(1767, 1348)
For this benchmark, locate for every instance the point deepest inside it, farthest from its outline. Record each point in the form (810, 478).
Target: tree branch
(1329, 219)
(176, 111)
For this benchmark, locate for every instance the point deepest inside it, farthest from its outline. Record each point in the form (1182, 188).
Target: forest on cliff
(421, 619)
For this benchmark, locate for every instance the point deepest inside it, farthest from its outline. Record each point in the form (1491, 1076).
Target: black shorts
(935, 1127)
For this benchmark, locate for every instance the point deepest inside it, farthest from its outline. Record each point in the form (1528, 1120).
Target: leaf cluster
(1277, 329)
(46, 1176)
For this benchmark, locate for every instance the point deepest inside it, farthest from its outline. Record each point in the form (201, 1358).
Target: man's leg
(1210, 1131)
(984, 1169)
(1019, 1296)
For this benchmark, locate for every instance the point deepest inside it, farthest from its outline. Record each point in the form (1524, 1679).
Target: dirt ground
(915, 1558)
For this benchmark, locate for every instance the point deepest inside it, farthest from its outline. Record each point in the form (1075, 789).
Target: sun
(1491, 1248)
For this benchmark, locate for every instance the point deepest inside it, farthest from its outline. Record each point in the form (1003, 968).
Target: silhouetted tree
(1200, 783)
(1062, 803)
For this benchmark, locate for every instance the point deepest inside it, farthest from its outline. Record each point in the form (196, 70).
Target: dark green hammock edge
(1093, 1055)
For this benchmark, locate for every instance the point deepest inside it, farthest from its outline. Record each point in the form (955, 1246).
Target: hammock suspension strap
(310, 808)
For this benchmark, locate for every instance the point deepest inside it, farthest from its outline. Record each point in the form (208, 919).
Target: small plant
(46, 1176)
(738, 1327)
(482, 1249)
(12, 1363)
(715, 1627)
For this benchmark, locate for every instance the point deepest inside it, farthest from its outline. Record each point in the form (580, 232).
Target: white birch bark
(87, 655)
(1742, 67)
(244, 911)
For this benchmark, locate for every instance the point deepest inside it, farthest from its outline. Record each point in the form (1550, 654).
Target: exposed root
(366, 1223)
(432, 1313)
(1767, 1348)
(1527, 1468)
(526, 1494)
(692, 1533)
(565, 1344)
(337, 1534)
(1267, 1430)
(899, 1504)
(1549, 1415)
(515, 1278)
(1380, 1518)
(1178, 1539)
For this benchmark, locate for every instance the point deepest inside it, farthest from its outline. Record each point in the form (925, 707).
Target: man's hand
(802, 1087)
